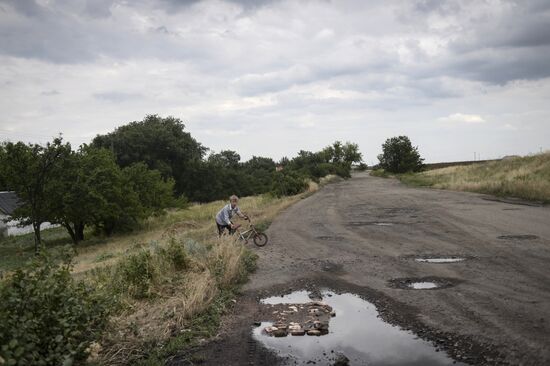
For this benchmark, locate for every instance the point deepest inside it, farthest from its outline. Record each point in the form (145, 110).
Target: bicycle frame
(247, 234)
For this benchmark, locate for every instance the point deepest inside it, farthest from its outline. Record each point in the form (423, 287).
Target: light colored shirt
(226, 213)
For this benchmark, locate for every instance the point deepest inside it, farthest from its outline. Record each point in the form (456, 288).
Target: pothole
(367, 223)
(422, 283)
(355, 331)
(440, 260)
(518, 237)
(437, 258)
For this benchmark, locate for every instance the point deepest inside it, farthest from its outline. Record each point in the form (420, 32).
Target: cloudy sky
(272, 77)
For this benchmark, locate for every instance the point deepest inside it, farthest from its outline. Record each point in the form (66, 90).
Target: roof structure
(8, 202)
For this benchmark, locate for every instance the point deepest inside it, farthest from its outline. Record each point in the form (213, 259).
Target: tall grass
(523, 177)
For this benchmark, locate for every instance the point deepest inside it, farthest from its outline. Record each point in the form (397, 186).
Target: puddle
(297, 297)
(356, 332)
(423, 285)
(366, 223)
(440, 260)
(518, 237)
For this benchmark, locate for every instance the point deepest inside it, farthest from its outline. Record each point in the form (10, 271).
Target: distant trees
(161, 143)
(400, 156)
(139, 169)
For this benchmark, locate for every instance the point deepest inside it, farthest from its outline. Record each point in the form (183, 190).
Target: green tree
(27, 169)
(153, 192)
(91, 189)
(400, 156)
(161, 143)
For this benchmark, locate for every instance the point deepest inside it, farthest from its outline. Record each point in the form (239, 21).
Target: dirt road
(359, 235)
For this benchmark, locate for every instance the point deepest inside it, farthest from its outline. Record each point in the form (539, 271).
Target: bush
(288, 183)
(175, 254)
(46, 317)
(134, 274)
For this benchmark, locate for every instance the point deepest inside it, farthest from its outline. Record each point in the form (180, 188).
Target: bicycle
(259, 238)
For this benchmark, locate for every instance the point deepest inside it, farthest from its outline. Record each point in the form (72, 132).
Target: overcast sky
(272, 77)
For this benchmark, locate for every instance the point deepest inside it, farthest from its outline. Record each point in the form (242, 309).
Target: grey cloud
(50, 92)
(117, 97)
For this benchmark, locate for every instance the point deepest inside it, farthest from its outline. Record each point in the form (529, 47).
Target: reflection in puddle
(297, 297)
(357, 332)
(439, 260)
(423, 285)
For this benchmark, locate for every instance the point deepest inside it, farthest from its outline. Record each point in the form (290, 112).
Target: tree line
(140, 169)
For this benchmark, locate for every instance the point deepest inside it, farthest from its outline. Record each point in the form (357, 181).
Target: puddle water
(439, 260)
(297, 297)
(423, 285)
(356, 331)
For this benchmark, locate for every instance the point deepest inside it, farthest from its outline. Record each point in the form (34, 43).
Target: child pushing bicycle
(223, 218)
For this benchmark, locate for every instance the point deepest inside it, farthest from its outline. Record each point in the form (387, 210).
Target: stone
(341, 360)
(314, 332)
(270, 330)
(279, 333)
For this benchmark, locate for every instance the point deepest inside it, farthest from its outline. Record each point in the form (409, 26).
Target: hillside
(523, 177)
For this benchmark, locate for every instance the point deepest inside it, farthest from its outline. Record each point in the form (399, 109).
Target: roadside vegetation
(120, 179)
(134, 272)
(523, 177)
(134, 298)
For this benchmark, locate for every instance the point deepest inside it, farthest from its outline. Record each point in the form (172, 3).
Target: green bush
(175, 254)
(288, 183)
(48, 318)
(134, 274)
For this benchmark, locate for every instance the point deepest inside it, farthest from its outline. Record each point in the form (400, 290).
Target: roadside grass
(174, 289)
(381, 173)
(16, 250)
(523, 177)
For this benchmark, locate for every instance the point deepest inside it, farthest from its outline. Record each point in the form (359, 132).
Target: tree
(27, 170)
(400, 156)
(161, 143)
(153, 192)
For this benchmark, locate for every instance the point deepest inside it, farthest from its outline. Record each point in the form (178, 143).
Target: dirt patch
(330, 238)
(518, 237)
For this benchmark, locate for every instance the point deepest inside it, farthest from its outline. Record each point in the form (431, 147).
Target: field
(523, 177)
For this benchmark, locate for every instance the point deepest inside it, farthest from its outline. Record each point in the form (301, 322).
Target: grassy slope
(526, 177)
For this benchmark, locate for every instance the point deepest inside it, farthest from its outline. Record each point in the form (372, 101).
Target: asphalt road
(363, 233)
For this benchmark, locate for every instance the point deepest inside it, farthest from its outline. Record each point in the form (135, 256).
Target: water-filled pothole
(423, 283)
(369, 223)
(356, 331)
(440, 260)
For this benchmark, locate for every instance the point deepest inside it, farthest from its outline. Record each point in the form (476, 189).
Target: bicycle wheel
(260, 239)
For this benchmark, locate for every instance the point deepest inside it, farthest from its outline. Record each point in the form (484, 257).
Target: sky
(270, 78)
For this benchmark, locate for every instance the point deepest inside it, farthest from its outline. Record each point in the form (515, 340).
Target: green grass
(526, 177)
(16, 250)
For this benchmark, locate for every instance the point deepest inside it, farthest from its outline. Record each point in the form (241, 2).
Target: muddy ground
(362, 236)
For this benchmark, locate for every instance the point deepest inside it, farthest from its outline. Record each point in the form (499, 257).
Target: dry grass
(174, 298)
(525, 177)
